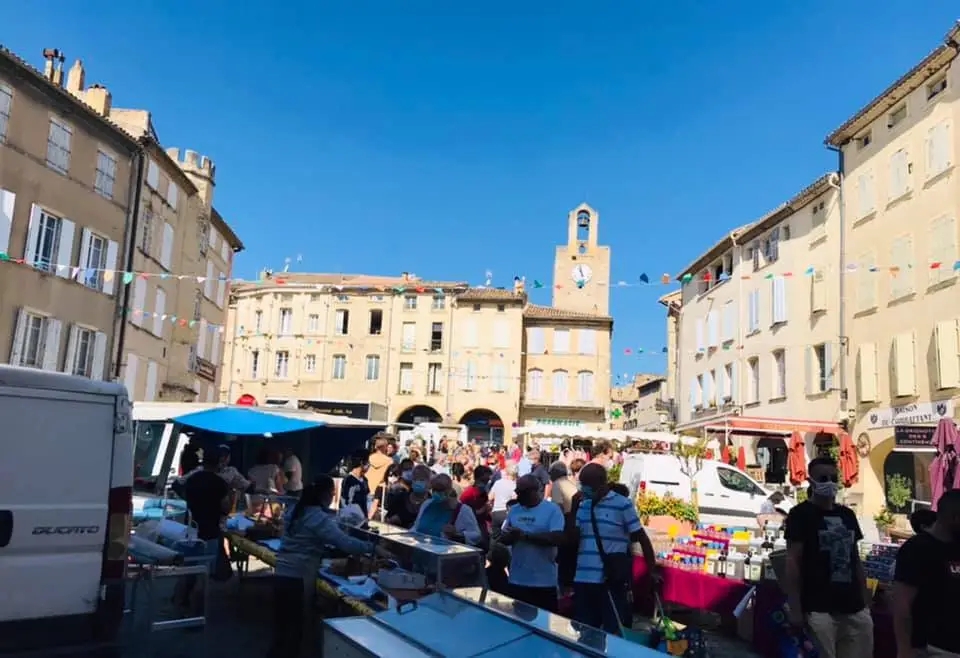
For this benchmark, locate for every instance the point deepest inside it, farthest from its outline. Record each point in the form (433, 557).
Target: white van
(66, 478)
(726, 495)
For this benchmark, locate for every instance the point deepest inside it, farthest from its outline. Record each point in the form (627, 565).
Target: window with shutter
(753, 372)
(728, 382)
(779, 300)
(498, 380)
(561, 341)
(865, 194)
(221, 290)
(166, 249)
(709, 393)
(902, 272)
(753, 311)
(729, 331)
(408, 338)
(7, 203)
(153, 175)
(130, 376)
(209, 282)
(501, 333)
(943, 250)
(867, 372)
(899, 175)
(948, 355)
(535, 384)
(586, 339)
(867, 283)
(561, 387)
(536, 340)
(470, 376)
(713, 330)
(585, 389)
(701, 340)
(939, 149)
(818, 292)
(153, 376)
(139, 301)
(905, 365)
(158, 312)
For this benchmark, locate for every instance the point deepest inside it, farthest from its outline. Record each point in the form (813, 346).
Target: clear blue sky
(449, 140)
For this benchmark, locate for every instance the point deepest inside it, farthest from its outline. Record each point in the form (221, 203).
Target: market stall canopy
(248, 421)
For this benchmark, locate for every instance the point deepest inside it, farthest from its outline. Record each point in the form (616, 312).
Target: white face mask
(824, 489)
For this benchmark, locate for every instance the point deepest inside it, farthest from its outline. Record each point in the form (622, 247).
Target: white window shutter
(71, 357)
(151, 392)
(728, 321)
(19, 333)
(700, 336)
(8, 201)
(735, 382)
(828, 366)
(501, 333)
(159, 309)
(867, 381)
(947, 149)
(694, 393)
(721, 385)
(166, 249)
(208, 283)
(808, 374)
(587, 341)
(202, 341)
(779, 299)
(108, 281)
(470, 337)
(139, 301)
(948, 355)
(712, 329)
(99, 356)
(221, 290)
(65, 251)
(33, 233)
(905, 365)
(51, 347)
(153, 175)
(130, 375)
(215, 348)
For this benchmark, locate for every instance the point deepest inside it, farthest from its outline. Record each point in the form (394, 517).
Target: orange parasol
(725, 454)
(849, 461)
(797, 459)
(741, 458)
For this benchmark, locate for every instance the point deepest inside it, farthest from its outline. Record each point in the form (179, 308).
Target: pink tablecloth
(697, 591)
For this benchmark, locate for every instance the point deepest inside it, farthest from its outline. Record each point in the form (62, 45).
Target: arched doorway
(419, 413)
(911, 469)
(483, 426)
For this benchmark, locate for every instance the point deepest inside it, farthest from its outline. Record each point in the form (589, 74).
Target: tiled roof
(715, 251)
(492, 295)
(535, 312)
(365, 281)
(66, 96)
(671, 298)
(799, 200)
(912, 79)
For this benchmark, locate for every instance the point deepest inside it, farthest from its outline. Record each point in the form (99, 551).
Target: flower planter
(669, 526)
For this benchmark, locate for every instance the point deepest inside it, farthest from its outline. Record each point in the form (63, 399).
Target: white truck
(66, 484)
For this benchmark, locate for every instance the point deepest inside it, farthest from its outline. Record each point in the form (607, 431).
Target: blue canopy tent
(320, 441)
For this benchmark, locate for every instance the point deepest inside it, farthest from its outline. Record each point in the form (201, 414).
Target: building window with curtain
(560, 387)
(585, 386)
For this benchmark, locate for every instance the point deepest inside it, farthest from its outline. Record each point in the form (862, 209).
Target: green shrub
(650, 504)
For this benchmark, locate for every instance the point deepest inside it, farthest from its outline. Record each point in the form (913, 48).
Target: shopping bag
(791, 643)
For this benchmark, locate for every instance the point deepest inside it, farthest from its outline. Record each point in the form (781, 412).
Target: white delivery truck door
(54, 487)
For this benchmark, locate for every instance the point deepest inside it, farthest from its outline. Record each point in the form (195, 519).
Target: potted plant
(884, 520)
(667, 514)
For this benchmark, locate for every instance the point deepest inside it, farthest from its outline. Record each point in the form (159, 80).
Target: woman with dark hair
(267, 476)
(310, 527)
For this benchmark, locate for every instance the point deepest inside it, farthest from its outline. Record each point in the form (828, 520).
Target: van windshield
(148, 435)
(737, 481)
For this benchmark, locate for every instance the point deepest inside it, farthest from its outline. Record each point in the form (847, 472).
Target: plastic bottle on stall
(722, 564)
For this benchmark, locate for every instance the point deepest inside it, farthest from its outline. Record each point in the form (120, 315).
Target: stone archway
(419, 413)
(483, 426)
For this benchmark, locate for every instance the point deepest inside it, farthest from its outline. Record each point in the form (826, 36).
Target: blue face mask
(419, 487)
(586, 490)
(407, 476)
(439, 496)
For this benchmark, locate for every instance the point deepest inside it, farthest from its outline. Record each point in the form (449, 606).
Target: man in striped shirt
(605, 575)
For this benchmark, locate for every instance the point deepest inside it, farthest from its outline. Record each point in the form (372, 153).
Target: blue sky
(447, 140)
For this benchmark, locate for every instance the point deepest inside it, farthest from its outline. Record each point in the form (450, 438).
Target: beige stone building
(672, 303)
(181, 255)
(410, 350)
(759, 351)
(65, 208)
(901, 202)
(643, 405)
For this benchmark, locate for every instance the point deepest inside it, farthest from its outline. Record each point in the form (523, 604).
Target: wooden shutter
(166, 248)
(107, 280)
(71, 357)
(51, 347)
(948, 355)
(64, 256)
(159, 309)
(99, 356)
(905, 375)
(130, 375)
(868, 372)
(139, 301)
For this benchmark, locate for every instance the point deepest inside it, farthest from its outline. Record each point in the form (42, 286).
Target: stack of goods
(879, 560)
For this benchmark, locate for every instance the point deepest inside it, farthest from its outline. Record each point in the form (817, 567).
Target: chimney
(75, 79)
(53, 68)
(405, 276)
(98, 98)
(519, 285)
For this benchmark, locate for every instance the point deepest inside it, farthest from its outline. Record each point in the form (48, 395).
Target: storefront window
(915, 468)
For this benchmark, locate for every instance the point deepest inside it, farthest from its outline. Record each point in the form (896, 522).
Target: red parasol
(849, 461)
(725, 454)
(741, 458)
(797, 459)
(944, 471)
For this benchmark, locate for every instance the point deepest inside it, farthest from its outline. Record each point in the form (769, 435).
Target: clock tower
(581, 271)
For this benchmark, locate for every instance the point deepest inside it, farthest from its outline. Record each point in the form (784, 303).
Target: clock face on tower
(581, 274)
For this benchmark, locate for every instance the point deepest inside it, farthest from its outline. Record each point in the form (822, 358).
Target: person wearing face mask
(477, 498)
(310, 527)
(926, 586)
(404, 505)
(534, 530)
(445, 517)
(825, 582)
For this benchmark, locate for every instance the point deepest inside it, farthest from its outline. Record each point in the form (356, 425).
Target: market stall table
(690, 589)
(266, 553)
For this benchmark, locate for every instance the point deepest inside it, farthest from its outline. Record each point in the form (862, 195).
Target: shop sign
(913, 436)
(348, 409)
(554, 423)
(920, 413)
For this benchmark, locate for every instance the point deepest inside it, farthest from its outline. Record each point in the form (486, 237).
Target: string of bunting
(851, 268)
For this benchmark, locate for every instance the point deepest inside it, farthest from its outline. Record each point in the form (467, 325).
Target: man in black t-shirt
(207, 496)
(354, 490)
(926, 588)
(825, 582)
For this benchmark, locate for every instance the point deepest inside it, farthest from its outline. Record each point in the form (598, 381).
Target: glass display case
(469, 626)
(446, 564)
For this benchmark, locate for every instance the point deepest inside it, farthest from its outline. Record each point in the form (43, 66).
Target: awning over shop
(783, 426)
(248, 421)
